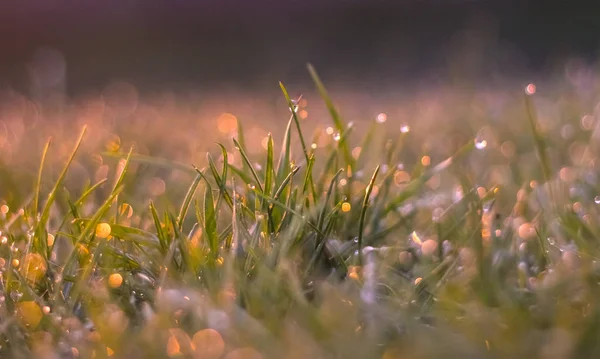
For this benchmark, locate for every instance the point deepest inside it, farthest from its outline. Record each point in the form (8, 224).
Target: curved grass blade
(187, 200)
(295, 118)
(247, 161)
(363, 211)
(277, 195)
(210, 223)
(285, 182)
(221, 181)
(122, 171)
(79, 202)
(85, 233)
(162, 236)
(40, 245)
(290, 210)
(284, 162)
(321, 218)
(269, 169)
(38, 185)
(308, 181)
(126, 232)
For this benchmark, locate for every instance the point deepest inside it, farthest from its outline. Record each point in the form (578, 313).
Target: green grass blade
(210, 223)
(220, 179)
(363, 211)
(38, 184)
(187, 200)
(292, 108)
(85, 233)
(323, 212)
(246, 160)
(308, 181)
(284, 163)
(269, 168)
(160, 232)
(40, 244)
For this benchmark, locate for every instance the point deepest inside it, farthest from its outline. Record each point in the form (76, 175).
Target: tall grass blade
(363, 211)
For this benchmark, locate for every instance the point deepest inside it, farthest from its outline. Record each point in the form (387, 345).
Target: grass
(482, 246)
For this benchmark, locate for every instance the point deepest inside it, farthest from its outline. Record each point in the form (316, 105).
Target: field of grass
(472, 232)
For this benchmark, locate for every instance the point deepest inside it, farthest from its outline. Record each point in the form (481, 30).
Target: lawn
(470, 231)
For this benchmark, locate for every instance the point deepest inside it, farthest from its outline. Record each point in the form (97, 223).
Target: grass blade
(187, 200)
(210, 223)
(269, 169)
(38, 185)
(246, 160)
(363, 211)
(295, 118)
(40, 244)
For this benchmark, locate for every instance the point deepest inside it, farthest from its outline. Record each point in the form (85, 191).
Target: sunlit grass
(373, 239)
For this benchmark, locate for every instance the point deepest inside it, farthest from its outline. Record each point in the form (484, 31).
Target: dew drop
(480, 144)
(530, 89)
(597, 199)
(336, 136)
(405, 128)
(381, 118)
(551, 241)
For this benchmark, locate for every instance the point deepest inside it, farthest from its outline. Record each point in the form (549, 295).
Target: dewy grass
(462, 250)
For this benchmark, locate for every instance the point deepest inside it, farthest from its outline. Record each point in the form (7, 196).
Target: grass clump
(484, 247)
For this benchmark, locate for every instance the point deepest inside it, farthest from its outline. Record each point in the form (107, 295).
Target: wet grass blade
(160, 233)
(323, 212)
(210, 223)
(246, 160)
(38, 185)
(308, 181)
(285, 182)
(40, 244)
(363, 211)
(123, 170)
(284, 163)
(292, 108)
(86, 232)
(80, 201)
(269, 169)
(220, 179)
(187, 201)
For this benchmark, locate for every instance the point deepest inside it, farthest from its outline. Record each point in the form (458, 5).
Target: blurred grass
(377, 239)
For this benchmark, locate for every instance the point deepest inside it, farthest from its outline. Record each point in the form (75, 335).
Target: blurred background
(194, 67)
(222, 44)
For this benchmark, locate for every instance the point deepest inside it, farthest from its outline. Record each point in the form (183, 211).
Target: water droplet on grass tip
(530, 89)
(597, 199)
(480, 144)
(337, 136)
(405, 128)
